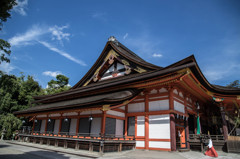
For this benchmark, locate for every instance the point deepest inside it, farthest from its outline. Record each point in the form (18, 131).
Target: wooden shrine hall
(124, 102)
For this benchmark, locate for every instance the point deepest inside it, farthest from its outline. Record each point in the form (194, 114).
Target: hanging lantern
(90, 118)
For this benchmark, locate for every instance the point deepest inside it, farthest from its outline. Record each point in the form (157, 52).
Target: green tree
(5, 8)
(58, 85)
(16, 93)
(234, 84)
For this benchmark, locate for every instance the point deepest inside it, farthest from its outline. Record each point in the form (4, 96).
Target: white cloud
(157, 55)
(58, 34)
(125, 36)
(221, 71)
(144, 45)
(29, 37)
(52, 74)
(21, 7)
(63, 53)
(6, 67)
(36, 32)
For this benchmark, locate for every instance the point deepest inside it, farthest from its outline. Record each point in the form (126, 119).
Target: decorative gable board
(114, 65)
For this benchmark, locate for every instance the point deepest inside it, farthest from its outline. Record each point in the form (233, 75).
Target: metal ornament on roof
(216, 99)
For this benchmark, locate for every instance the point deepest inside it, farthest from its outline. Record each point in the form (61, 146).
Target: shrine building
(124, 102)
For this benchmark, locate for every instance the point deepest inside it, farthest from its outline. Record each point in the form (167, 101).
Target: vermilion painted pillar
(146, 122)
(147, 132)
(46, 122)
(33, 126)
(173, 132)
(126, 120)
(187, 134)
(77, 128)
(60, 125)
(103, 123)
(171, 102)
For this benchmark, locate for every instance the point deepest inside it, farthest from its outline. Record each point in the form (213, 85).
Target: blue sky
(66, 37)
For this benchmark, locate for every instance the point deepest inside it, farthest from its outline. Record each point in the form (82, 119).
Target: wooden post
(195, 124)
(224, 123)
(77, 128)
(126, 120)
(76, 145)
(187, 134)
(60, 125)
(33, 126)
(90, 146)
(146, 132)
(173, 132)
(46, 123)
(146, 121)
(103, 123)
(171, 101)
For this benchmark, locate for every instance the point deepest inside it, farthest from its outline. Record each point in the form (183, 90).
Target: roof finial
(112, 38)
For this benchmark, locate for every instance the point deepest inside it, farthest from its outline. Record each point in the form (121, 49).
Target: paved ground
(14, 151)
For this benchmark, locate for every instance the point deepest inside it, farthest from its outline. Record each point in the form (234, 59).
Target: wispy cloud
(37, 34)
(157, 55)
(29, 37)
(21, 7)
(125, 36)
(51, 73)
(6, 67)
(63, 53)
(144, 45)
(58, 34)
(99, 16)
(222, 71)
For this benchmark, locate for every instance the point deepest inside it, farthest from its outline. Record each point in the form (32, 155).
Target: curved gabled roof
(121, 50)
(153, 71)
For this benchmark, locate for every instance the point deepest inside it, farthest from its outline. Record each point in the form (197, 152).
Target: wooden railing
(201, 141)
(78, 135)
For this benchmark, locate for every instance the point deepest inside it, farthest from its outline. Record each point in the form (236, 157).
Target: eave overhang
(111, 99)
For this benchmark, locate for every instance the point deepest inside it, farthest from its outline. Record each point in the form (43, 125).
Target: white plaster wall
(54, 115)
(179, 107)
(159, 97)
(140, 143)
(162, 90)
(136, 107)
(96, 126)
(123, 108)
(56, 126)
(91, 112)
(42, 130)
(140, 126)
(159, 126)
(159, 144)
(41, 116)
(159, 105)
(119, 128)
(70, 114)
(115, 113)
(73, 126)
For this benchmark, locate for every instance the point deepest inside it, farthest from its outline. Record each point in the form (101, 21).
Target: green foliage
(16, 93)
(234, 84)
(5, 8)
(57, 86)
(10, 123)
(5, 50)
